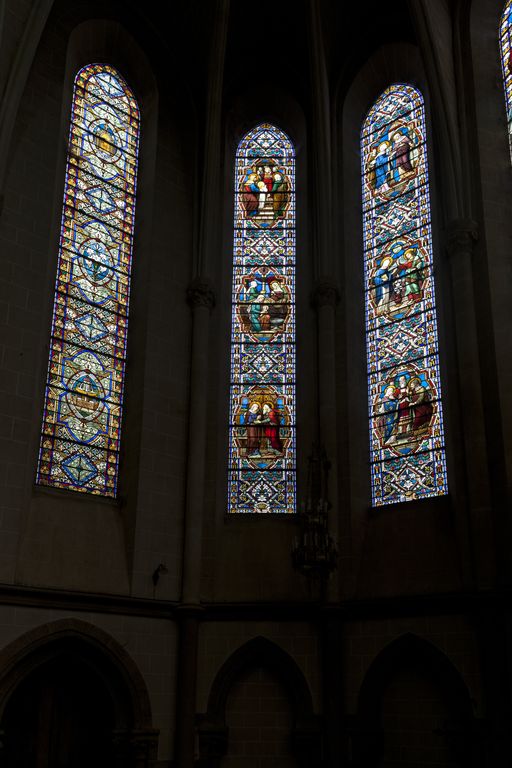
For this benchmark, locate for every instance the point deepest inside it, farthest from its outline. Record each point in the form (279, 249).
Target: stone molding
(200, 293)
(136, 749)
(325, 293)
(461, 236)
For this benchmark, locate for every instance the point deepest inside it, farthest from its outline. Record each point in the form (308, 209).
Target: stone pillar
(213, 742)
(332, 685)
(325, 297)
(320, 145)
(493, 625)
(201, 300)
(188, 617)
(461, 237)
(211, 198)
(200, 297)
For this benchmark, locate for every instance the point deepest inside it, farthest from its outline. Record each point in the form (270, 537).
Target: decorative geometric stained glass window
(404, 388)
(506, 61)
(262, 411)
(84, 391)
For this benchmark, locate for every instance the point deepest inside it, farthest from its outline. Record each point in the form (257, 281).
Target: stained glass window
(404, 388)
(84, 390)
(262, 411)
(506, 61)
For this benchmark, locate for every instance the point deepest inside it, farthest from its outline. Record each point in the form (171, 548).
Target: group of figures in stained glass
(262, 439)
(83, 402)
(393, 160)
(265, 191)
(407, 443)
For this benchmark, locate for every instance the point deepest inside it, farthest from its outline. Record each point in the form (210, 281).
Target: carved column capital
(136, 748)
(325, 293)
(200, 293)
(213, 740)
(461, 235)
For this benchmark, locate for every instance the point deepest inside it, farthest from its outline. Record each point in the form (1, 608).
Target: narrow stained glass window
(506, 62)
(84, 391)
(262, 411)
(404, 388)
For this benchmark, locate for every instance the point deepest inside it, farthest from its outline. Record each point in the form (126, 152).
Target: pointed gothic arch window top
(506, 62)
(262, 400)
(84, 392)
(404, 388)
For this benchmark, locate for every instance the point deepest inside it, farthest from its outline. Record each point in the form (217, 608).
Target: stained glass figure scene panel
(506, 62)
(84, 391)
(404, 388)
(262, 411)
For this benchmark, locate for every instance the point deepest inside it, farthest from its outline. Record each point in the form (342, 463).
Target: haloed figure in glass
(262, 430)
(404, 390)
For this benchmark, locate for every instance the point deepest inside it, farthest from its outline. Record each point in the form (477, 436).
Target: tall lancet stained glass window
(262, 408)
(84, 391)
(506, 62)
(404, 388)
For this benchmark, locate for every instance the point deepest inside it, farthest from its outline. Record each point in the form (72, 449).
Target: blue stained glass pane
(84, 393)
(261, 471)
(404, 388)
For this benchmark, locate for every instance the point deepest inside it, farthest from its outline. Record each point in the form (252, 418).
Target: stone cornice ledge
(473, 602)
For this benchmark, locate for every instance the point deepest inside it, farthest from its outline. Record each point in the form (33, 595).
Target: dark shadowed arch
(411, 650)
(100, 652)
(260, 652)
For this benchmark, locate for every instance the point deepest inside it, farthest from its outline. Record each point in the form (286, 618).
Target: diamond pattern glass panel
(262, 419)
(84, 393)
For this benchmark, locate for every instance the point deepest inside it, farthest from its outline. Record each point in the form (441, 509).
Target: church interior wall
(424, 539)
(240, 541)
(54, 543)
(219, 640)
(13, 22)
(493, 153)
(87, 543)
(453, 635)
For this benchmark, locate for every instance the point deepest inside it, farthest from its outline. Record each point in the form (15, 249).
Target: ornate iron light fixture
(315, 552)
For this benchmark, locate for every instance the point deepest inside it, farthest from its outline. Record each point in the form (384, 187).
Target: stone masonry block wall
(452, 635)
(259, 719)
(218, 640)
